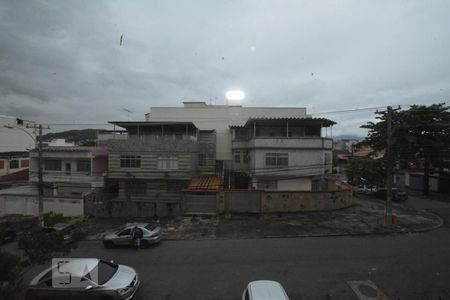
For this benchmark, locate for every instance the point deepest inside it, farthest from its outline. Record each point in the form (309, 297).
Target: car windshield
(106, 271)
(150, 227)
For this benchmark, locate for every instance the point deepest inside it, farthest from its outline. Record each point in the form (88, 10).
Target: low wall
(28, 205)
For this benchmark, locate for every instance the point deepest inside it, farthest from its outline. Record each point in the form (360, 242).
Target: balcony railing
(285, 143)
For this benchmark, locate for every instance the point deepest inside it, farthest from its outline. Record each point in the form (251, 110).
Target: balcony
(314, 143)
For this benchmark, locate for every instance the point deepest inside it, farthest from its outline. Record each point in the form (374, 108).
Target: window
(14, 164)
(136, 188)
(277, 159)
(167, 163)
(84, 166)
(246, 157)
(267, 184)
(237, 157)
(201, 159)
(130, 161)
(125, 232)
(52, 164)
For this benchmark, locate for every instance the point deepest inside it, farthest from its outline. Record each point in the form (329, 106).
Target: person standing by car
(137, 236)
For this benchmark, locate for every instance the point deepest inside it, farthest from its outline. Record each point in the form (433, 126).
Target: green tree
(10, 273)
(366, 170)
(419, 133)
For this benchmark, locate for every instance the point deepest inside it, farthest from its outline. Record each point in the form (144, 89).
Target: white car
(264, 290)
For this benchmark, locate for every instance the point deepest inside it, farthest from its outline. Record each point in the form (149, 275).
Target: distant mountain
(78, 136)
(348, 137)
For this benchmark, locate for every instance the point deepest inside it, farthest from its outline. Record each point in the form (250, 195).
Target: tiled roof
(209, 183)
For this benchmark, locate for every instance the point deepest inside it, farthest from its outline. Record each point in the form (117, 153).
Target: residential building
(70, 171)
(59, 143)
(16, 139)
(157, 160)
(260, 147)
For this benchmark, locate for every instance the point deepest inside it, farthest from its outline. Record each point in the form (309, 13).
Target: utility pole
(389, 168)
(40, 179)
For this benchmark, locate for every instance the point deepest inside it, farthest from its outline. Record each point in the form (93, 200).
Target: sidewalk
(365, 216)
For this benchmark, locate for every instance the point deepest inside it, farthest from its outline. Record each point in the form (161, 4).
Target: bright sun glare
(235, 95)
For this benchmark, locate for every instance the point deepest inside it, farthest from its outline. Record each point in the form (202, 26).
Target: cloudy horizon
(65, 61)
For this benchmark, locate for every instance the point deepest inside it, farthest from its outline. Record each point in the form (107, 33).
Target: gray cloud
(61, 61)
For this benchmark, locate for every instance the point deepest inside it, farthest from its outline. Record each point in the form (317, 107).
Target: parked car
(397, 194)
(123, 237)
(264, 290)
(7, 233)
(71, 232)
(84, 278)
(364, 189)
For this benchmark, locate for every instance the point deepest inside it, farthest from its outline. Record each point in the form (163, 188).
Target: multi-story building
(157, 160)
(70, 171)
(17, 138)
(260, 147)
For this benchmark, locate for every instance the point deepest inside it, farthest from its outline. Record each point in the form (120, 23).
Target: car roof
(266, 290)
(136, 224)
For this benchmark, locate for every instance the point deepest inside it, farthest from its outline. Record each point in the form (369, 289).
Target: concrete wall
(200, 203)
(28, 205)
(242, 201)
(296, 184)
(265, 201)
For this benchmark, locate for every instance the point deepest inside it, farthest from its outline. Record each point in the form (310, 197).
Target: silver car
(84, 278)
(123, 236)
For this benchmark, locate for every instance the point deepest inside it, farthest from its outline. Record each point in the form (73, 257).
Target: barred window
(246, 157)
(201, 159)
(130, 161)
(237, 157)
(14, 164)
(52, 164)
(84, 166)
(277, 159)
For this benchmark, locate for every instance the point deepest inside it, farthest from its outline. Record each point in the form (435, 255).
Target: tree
(366, 170)
(10, 274)
(419, 133)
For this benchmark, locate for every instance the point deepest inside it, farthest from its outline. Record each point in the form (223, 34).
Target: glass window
(84, 166)
(130, 161)
(52, 164)
(125, 232)
(237, 157)
(14, 164)
(277, 159)
(167, 163)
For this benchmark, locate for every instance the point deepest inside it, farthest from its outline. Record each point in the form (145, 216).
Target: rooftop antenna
(128, 111)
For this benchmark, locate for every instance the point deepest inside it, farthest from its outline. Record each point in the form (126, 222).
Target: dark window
(84, 166)
(14, 164)
(125, 232)
(130, 161)
(277, 159)
(246, 157)
(237, 157)
(201, 159)
(267, 184)
(246, 297)
(52, 164)
(136, 188)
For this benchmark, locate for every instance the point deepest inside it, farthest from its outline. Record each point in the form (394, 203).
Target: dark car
(397, 194)
(7, 233)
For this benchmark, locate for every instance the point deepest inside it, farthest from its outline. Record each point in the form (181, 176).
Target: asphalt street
(411, 266)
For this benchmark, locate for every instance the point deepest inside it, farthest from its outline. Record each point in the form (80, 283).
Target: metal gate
(200, 203)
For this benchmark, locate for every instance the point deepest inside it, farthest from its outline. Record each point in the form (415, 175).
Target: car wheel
(108, 244)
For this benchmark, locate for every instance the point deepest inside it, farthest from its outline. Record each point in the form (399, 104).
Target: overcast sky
(62, 62)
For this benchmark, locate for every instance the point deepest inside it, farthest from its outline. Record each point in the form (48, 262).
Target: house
(157, 160)
(260, 147)
(70, 170)
(282, 153)
(16, 139)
